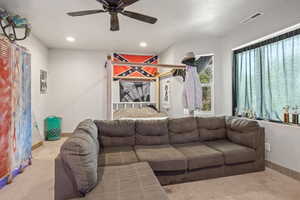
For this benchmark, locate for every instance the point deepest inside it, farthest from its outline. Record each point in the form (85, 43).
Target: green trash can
(53, 128)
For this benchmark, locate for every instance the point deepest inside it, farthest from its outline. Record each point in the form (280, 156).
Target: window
(267, 77)
(207, 81)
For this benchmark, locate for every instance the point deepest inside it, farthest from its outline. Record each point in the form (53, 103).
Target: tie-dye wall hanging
(15, 110)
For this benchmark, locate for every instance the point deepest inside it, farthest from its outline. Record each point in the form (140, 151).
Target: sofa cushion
(248, 139)
(200, 156)
(211, 123)
(209, 135)
(128, 182)
(152, 127)
(162, 157)
(183, 130)
(112, 156)
(233, 153)
(80, 153)
(152, 132)
(116, 133)
(243, 125)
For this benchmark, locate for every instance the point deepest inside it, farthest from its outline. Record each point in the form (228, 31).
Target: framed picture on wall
(43, 81)
(166, 95)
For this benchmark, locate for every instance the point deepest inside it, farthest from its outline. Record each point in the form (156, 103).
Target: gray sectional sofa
(130, 160)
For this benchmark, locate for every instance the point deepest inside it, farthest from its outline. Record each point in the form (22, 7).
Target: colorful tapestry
(5, 108)
(135, 71)
(15, 107)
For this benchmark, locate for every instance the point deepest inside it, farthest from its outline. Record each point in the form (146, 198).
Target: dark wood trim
(150, 65)
(37, 145)
(283, 170)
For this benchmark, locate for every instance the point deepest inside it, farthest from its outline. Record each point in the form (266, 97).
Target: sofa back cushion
(152, 132)
(80, 153)
(243, 131)
(248, 139)
(210, 135)
(243, 125)
(211, 128)
(116, 133)
(183, 130)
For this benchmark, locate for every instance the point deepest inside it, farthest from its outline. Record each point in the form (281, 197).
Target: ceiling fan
(115, 7)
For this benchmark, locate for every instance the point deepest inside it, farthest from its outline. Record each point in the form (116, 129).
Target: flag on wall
(135, 71)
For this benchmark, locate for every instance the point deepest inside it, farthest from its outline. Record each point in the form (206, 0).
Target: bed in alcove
(135, 89)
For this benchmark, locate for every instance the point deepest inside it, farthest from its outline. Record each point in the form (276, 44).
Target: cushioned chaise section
(200, 156)
(112, 156)
(162, 157)
(116, 133)
(127, 182)
(183, 130)
(233, 153)
(152, 132)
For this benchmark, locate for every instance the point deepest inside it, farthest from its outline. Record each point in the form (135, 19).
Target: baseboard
(66, 134)
(37, 145)
(283, 170)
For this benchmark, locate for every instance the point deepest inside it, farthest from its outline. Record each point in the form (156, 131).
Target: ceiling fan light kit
(115, 7)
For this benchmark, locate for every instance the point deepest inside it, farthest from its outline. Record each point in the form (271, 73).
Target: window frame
(272, 39)
(212, 85)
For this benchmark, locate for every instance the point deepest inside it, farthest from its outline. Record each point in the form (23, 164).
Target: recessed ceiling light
(143, 44)
(70, 39)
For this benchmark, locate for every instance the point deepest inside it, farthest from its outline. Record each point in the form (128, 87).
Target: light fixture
(143, 44)
(70, 39)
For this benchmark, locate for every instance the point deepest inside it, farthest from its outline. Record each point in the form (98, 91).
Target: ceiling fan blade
(104, 2)
(114, 22)
(140, 17)
(85, 12)
(125, 3)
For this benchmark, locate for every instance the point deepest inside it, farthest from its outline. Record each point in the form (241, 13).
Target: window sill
(279, 124)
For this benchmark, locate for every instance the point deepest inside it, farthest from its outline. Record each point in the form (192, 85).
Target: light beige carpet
(37, 183)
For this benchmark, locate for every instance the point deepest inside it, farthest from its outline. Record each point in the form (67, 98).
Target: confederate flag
(135, 71)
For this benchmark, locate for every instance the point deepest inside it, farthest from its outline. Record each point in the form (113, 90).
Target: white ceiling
(178, 20)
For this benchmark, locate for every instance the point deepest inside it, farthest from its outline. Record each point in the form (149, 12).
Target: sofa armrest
(260, 151)
(65, 184)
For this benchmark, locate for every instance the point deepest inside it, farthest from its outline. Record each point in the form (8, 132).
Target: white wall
(280, 18)
(200, 46)
(39, 60)
(77, 86)
(283, 139)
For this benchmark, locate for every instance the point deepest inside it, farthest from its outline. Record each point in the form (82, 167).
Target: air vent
(251, 18)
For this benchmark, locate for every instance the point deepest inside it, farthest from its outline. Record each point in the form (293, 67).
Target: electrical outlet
(268, 147)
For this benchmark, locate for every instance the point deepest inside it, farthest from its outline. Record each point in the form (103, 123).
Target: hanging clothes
(192, 90)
